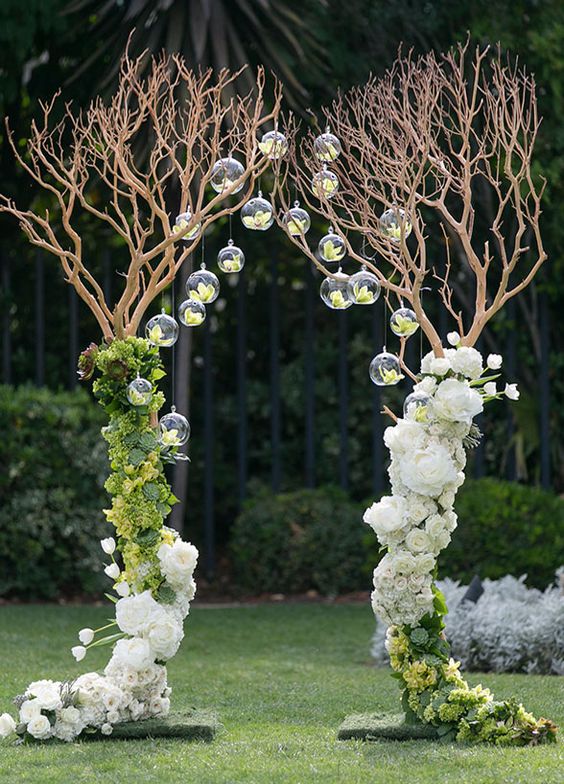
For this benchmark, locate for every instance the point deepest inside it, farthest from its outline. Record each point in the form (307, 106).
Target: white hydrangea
(467, 361)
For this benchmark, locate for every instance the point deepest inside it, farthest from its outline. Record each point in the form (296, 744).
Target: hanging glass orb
(224, 173)
(403, 322)
(231, 258)
(296, 221)
(191, 313)
(203, 286)
(174, 429)
(274, 145)
(181, 222)
(364, 287)
(334, 292)
(385, 370)
(325, 184)
(394, 222)
(139, 392)
(417, 406)
(332, 247)
(257, 214)
(162, 330)
(327, 147)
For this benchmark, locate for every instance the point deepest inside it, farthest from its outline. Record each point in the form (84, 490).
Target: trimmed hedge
(299, 541)
(51, 493)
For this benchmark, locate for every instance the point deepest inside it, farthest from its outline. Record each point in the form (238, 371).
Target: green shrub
(51, 493)
(294, 542)
(503, 528)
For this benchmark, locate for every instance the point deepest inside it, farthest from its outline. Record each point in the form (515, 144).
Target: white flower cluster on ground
(134, 683)
(510, 628)
(428, 457)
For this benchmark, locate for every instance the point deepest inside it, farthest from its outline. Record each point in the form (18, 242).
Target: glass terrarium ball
(364, 288)
(385, 370)
(417, 406)
(182, 222)
(191, 313)
(203, 286)
(394, 222)
(231, 258)
(327, 147)
(403, 322)
(174, 429)
(297, 221)
(325, 184)
(334, 292)
(274, 145)
(332, 247)
(224, 173)
(162, 330)
(257, 214)
(139, 392)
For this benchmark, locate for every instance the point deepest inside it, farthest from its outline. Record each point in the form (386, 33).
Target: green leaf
(157, 374)
(478, 382)
(147, 538)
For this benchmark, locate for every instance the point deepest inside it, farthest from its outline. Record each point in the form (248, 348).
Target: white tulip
(490, 388)
(108, 545)
(112, 571)
(511, 391)
(122, 588)
(494, 361)
(86, 636)
(7, 725)
(79, 652)
(453, 338)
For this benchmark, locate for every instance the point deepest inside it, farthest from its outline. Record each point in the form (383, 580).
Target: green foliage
(293, 542)
(51, 493)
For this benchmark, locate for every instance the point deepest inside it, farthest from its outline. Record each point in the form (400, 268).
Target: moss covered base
(388, 726)
(191, 724)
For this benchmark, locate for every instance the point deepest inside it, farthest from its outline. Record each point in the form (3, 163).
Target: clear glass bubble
(385, 370)
(203, 286)
(418, 407)
(139, 392)
(327, 147)
(191, 313)
(257, 214)
(364, 287)
(394, 222)
(332, 247)
(224, 173)
(325, 184)
(334, 292)
(162, 330)
(274, 145)
(231, 258)
(403, 322)
(182, 222)
(296, 221)
(174, 429)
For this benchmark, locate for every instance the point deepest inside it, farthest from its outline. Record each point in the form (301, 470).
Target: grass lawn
(281, 678)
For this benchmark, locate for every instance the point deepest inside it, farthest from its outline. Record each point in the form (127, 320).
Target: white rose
(29, 710)
(453, 338)
(427, 471)
(132, 612)
(49, 696)
(424, 563)
(79, 652)
(467, 361)
(164, 636)
(7, 725)
(490, 388)
(135, 653)
(112, 570)
(106, 729)
(439, 366)
(108, 545)
(70, 715)
(435, 526)
(86, 636)
(40, 727)
(418, 541)
(404, 435)
(400, 583)
(419, 507)
(122, 588)
(178, 562)
(446, 499)
(451, 520)
(494, 361)
(416, 582)
(402, 561)
(426, 385)
(456, 401)
(386, 515)
(511, 391)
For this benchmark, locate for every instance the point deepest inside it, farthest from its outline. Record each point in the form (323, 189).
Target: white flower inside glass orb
(231, 258)
(296, 221)
(334, 292)
(327, 147)
(325, 184)
(174, 429)
(182, 222)
(385, 370)
(395, 224)
(162, 330)
(139, 392)
(332, 247)
(418, 407)
(203, 286)
(192, 313)
(224, 173)
(257, 214)
(403, 322)
(364, 287)
(274, 145)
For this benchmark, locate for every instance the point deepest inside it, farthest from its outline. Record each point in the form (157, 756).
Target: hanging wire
(230, 225)
(173, 358)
